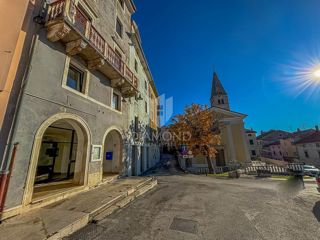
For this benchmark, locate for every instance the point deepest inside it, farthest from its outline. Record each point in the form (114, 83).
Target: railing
(114, 60)
(97, 40)
(135, 82)
(56, 9)
(80, 19)
(276, 169)
(82, 23)
(128, 73)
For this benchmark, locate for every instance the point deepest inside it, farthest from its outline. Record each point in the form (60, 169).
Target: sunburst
(303, 77)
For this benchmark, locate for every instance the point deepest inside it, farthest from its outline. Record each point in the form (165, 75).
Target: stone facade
(81, 79)
(253, 144)
(308, 148)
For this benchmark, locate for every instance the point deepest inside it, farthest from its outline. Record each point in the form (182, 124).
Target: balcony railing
(67, 10)
(97, 40)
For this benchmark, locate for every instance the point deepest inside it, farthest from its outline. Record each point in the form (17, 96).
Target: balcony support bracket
(96, 63)
(57, 31)
(117, 83)
(128, 92)
(75, 47)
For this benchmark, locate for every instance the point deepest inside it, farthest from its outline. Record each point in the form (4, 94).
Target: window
(219, 101)
(249, 134)
(222, 101)
(317, 144)
(253, 152)
(119, 27)
(146, 107)
(319, 154)
(136, 66)
(306, 154)
(145, 85)
(251, 142)
(75, 79)
(116, 101)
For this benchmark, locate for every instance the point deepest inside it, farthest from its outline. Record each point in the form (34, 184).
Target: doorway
(112, 162)
(61, 160)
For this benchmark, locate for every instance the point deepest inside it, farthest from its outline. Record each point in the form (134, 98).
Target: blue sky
(258, 48)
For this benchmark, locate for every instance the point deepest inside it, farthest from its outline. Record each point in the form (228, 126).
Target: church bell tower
(219, 97)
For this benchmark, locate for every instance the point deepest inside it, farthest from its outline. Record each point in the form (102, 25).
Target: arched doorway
(59, 159)
(113, 146)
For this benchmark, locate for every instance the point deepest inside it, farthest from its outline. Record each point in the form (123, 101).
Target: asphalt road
(185, 206)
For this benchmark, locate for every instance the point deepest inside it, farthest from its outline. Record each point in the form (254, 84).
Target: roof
(217, 87)
(228, 112)
(312, 138)
(272, 144)
(302, 134)
(250, 131)
(273, 135)
(136, 38)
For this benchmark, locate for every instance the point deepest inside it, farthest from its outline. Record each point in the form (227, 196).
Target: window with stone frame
(119, 27)
(136, 65)
(146, 85)
(116, 101)
(75, 79)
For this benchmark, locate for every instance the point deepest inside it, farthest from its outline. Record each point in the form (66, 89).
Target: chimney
(317, 128)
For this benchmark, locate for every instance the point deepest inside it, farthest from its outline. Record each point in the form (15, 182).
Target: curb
(106, 209)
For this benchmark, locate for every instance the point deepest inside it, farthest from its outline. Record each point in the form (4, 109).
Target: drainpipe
(5, 178)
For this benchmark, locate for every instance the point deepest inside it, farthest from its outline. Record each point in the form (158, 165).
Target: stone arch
(84, 137)
(113, 143)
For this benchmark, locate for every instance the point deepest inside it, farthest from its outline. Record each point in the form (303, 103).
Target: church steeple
(219, 96)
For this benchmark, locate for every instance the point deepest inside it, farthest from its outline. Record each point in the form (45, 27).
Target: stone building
(282, 149)
(83, 88)
(308, 149)
(253, 144)
(233, 150)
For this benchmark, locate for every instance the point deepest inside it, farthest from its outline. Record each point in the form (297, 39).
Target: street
(185, 206)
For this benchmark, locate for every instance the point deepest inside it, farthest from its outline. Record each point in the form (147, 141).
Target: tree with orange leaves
(198, 129)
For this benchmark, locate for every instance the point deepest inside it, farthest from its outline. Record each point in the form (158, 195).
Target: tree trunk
(210, 165)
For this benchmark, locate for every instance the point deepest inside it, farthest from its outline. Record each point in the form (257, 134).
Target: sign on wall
(109, 155)
(96, 153)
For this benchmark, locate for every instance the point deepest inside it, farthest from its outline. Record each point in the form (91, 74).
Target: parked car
(318, 181)
(310, 170)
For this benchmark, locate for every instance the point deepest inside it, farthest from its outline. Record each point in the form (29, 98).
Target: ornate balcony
(66, 22)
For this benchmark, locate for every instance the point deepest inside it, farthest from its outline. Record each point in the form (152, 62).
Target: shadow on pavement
(290, 188)
(316, 210)
(166, 167)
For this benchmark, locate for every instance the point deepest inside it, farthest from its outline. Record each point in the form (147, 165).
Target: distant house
(272, 136)
(270, 142)
(254, 145)
(282, 149)
(308, 149)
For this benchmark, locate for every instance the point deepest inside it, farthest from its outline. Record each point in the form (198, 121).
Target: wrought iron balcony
(67, 22)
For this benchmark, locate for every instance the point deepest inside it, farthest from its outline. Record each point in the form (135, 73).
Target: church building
(234, 147)
(233, 150)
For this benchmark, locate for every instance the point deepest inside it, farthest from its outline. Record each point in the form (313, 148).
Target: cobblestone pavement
(187, 206)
